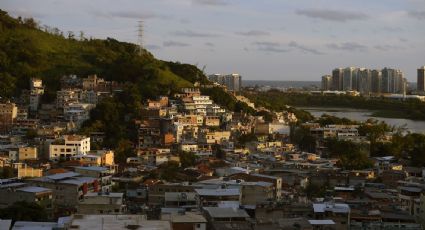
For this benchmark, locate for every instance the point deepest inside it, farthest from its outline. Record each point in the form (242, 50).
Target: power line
(140, 37)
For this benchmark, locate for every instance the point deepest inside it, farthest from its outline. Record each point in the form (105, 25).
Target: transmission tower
(140, 37)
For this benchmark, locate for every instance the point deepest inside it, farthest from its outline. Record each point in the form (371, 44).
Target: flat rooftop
(93, 168)
(218, 192)
(34, 189)
(217, 212)
(28, 225)
(112, 222)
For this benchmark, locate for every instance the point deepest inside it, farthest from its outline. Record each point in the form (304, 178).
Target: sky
(260, 39)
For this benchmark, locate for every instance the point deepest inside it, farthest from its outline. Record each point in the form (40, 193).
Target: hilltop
(29, 50)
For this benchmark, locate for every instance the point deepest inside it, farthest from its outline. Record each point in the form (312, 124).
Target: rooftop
(218, 192)
(93, 168)
(111, 194)
(74, 137)
(112, 222)
(34, 189)
(330, 207)
(79, 180)
(265, 176)
(28, 225)
(5, 224)
(11, 185)
(187, 217)
(61, 176)
(217, 212)
(321, 222)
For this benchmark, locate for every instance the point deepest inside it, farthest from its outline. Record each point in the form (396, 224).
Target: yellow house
(25, 171)
(216, 137)
(96, 157)
(27, 153)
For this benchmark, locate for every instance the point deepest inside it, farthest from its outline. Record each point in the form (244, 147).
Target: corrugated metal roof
(321, 222)
(34, 189)
(218, 192)
(62, 176)
(217, 212)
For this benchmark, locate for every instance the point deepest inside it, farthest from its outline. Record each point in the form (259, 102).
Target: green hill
(26, 51)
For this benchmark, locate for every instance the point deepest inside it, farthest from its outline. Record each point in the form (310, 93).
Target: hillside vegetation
(27, 50)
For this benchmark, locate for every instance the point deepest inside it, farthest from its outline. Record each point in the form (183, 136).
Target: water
(363, 115)
(282, 84)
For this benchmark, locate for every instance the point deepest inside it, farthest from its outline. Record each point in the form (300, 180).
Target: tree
(24, 211)
(31, 134)
(313, 190)
(7, 84)
(123, 151)
(416, 149)
(30, 23)
(351, 155)
(219, 153)
(374, 130)
(169, 170)
(7, 172)
(187, 159)
(302, 137)
(244, 138)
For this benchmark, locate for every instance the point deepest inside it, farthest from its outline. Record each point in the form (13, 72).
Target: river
(363, 114)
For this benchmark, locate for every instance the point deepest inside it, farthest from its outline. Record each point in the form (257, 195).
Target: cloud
(25, 13)
(185, 21)
(273, 47)
(175, 44)
(305, 49)
(253, 33)
(190, 33)
(387, 47)
(347, 46)
(210, 2)
(403, 39)
(392, 29)
(152, 47)
(209, 44)
(332, 15)
(129, 15)
(417, 14)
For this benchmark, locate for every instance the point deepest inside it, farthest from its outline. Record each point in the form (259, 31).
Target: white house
(68, 146)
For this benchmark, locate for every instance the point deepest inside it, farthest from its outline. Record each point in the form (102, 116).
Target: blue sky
(265, 40)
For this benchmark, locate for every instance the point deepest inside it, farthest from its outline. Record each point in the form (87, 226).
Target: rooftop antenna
(140, 37)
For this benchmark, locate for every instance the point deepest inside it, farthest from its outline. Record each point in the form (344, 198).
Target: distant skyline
(261, 40)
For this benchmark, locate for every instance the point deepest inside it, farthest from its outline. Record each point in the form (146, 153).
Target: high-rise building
(364, 81)
(368, 81)
(347, 80)
(337, 75)
(376, 81)
(233, 82)
(327, 82)
(392, 81)
(421, 79)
